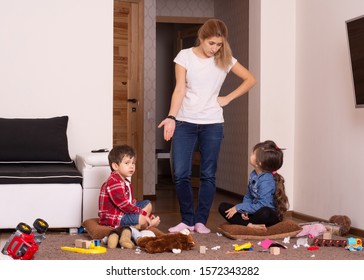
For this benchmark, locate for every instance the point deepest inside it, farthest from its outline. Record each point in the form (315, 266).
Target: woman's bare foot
(258, 226)
(155, 222)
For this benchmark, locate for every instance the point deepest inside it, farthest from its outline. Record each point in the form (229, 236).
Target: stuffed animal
(343, 221)
(166, 242)
(121, 236)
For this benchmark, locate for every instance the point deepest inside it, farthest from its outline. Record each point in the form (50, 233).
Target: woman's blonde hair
(217, 28)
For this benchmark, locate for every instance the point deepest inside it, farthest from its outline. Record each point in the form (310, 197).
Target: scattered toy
(329, 242)
(311, 230)
(267, 243)
(327, 235)
(244, 247)
(202, 249)
(93, 249)
(354, 244)
(342, 223)
(176, 251)
(25, 241)
(286, 240)
(166, 242)
(301, 242)
(274, 250)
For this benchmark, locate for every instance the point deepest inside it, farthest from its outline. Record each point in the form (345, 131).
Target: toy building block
(80, 243)
(202, 249)
(327, 235)
(274, 250)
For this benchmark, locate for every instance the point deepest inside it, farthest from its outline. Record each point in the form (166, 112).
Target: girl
(265, 202)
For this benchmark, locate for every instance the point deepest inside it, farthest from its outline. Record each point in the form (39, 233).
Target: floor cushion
(97, 231)
(286, 228)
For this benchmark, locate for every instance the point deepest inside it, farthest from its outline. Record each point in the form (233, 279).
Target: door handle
(133, 100)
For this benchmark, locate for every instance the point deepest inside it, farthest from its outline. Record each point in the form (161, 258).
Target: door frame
(137, 60)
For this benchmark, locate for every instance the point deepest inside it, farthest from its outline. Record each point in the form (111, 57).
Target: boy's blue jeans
(184, 142)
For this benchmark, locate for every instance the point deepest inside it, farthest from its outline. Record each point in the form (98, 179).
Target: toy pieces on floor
(87, 247)
(329, 242)
(25, 241)
(166, 242)
(267, 243)
(343, 222)
(244, 247)
(354, 244)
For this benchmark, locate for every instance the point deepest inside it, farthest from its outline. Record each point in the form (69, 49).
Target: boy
(117, 206)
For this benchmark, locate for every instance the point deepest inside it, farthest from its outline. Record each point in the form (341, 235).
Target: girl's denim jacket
(260, 193)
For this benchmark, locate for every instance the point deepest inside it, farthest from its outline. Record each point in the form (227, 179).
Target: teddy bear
(166, 242)
(151, 241)
(120, 236)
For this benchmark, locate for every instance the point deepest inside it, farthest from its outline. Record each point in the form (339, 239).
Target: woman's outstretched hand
(169, 126)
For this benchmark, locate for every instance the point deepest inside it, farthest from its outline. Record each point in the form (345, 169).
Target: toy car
(354, 244)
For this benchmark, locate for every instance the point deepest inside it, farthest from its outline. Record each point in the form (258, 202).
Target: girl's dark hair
(269, 159)
(217, 28)
(118, 153)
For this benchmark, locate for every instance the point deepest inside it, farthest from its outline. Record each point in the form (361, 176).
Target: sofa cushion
(40, 173)
(34, 140)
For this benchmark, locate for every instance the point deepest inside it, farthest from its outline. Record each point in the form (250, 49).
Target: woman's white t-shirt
(203, 83)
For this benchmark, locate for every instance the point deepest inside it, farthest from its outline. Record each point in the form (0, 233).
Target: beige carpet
(218, 247)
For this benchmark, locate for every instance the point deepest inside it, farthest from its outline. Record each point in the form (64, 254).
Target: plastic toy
(244, 247)
(93, 248)
(25, 241)
(354, 244)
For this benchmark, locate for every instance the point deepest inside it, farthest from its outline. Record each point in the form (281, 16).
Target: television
(355, 33)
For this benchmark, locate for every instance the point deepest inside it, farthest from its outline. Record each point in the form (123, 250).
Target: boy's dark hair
(118, 153)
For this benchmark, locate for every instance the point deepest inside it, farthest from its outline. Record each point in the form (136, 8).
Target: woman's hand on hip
(223, 101)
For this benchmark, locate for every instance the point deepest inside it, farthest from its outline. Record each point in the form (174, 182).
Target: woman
(196, 117)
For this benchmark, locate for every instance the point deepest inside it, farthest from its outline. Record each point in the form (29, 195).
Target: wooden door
(128, 82)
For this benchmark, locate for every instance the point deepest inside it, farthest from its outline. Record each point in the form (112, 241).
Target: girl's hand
(245, 216)
(230, 212)
(169, 127)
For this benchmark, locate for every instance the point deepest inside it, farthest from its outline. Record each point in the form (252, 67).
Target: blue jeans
(186, 138)
(133, 219)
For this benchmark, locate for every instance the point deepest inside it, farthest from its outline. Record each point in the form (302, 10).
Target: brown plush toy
(166, 242)
(343, 221)
(121, 236)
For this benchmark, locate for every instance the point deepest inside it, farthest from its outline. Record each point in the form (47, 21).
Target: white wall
(307, 104)
(56, 59)
(329, 130)
(272, 60)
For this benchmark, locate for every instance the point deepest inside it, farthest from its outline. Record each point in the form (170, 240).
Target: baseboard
(307, 218)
